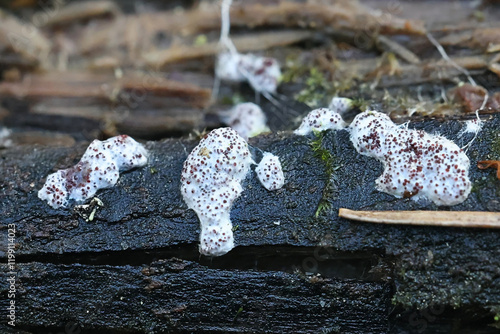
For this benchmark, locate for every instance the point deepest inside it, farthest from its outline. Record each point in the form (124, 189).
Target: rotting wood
(434, 70)
(248, 42)
(80, 84)
(22, 41)
(278, 234)
(487, 39)
(80, 11)
(139, 103)
(144, 218)
(182, 296)
(387, 44)
(137, 33)
(345, 15)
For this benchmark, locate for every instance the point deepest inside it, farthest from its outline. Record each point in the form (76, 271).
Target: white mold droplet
(320, 119)
(269, 172)
(247, 119)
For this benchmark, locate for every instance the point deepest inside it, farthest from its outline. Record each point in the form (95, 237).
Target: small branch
(426, 218)
(387, 44)
(248, 42)
(449, 60)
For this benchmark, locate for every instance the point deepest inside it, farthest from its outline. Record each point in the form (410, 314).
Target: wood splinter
(477, 219)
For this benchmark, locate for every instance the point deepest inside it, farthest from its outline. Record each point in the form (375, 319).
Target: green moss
(328, 159)
(238, 313)
(200, 40)
(317, 88)
(360, 103)
(234, 99)
(495, 146)
(294, 71)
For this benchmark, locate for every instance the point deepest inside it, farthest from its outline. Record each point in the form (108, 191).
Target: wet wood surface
(72, 73)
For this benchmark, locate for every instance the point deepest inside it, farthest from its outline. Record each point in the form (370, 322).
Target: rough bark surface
(372, 276)
(182, 296)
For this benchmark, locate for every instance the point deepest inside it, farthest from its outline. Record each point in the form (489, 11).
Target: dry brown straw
(476, 219)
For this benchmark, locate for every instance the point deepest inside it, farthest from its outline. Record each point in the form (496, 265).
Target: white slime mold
(262, 73)
(98, 168)
(320, 119)
(269, 172)
(247, 119)
(211, 182)
(341, 105)
(416, 164)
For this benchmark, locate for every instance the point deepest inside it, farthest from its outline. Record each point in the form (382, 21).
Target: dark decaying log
(107, 275)
(143, 104)
(185, 296)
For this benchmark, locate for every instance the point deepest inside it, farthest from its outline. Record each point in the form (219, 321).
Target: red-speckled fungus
(98, 168)
(211, 182)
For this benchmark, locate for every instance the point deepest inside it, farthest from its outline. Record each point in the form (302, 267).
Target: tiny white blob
(471, 126)
(416, 164)
(269, 172)
(262, 73)
(247, 119)
(211, 181)
(321, 119)
(227, 67)
(98, 168)
(5, 141)
(341, 105)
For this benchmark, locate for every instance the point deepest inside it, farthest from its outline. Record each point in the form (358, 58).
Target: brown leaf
(490, 164)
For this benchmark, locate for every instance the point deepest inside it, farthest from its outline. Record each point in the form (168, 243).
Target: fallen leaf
(490, 164)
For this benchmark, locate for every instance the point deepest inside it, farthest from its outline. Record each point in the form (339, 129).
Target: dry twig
(476, 219)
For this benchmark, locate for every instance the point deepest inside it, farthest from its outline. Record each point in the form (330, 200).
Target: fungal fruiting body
(98, 168)
(262, 73)
(416, 164)
(320, 119)
(228, 67)
(211, 182)
(341, 104)
(247, 119)
(269, 172)
(4, 137)
(472, 126)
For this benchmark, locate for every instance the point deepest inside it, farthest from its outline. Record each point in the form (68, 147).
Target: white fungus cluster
(341, 104)
(416, 164)
(247, 119)
(98, 168)
(320, 119)
(211, 182)
(262, 73)
(269, 172)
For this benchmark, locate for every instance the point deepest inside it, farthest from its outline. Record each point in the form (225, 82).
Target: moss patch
(495, 145)
(317, 88)
(328, 159)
